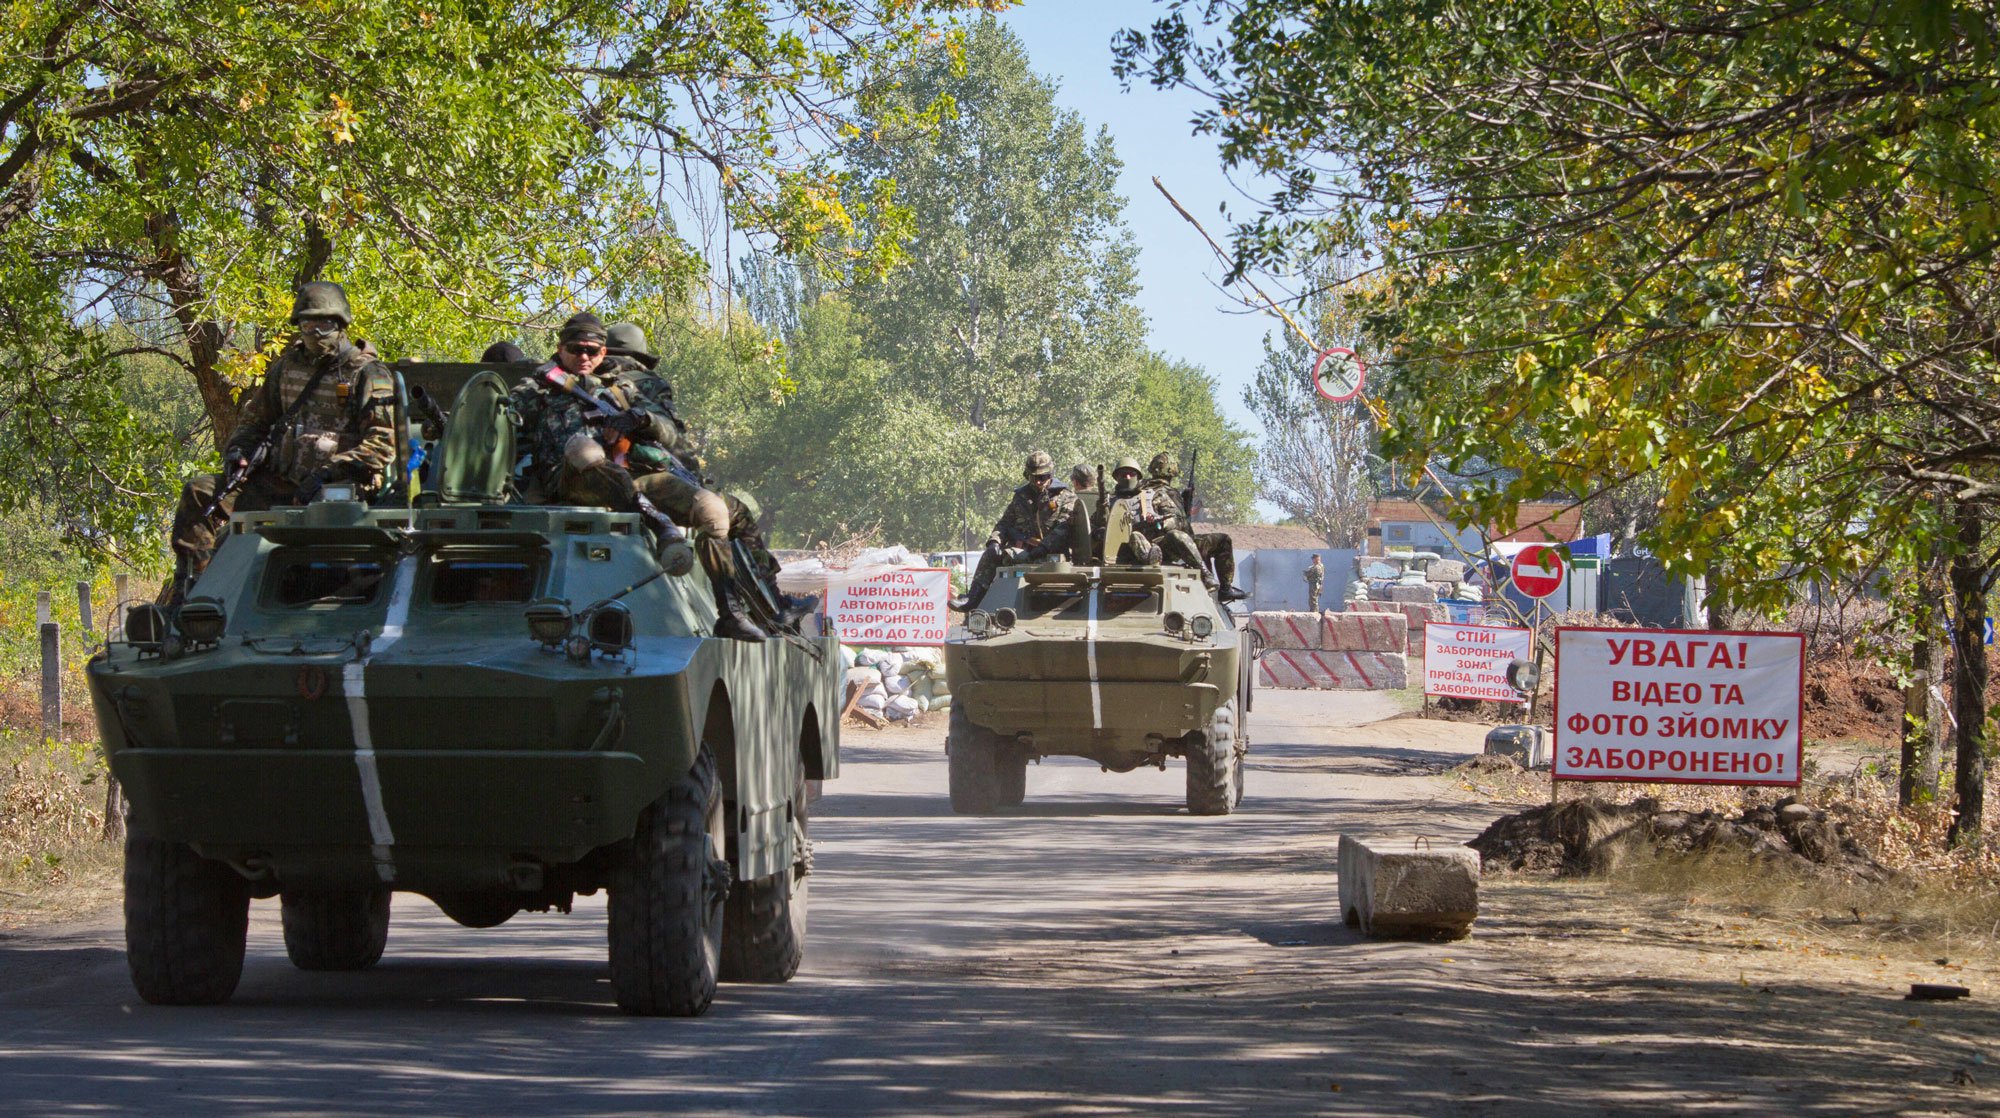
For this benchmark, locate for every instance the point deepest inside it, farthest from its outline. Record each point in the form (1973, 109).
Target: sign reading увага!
(898, 607)
(1679, 707)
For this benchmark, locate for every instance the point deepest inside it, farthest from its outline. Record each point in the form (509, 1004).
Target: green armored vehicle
(495, 705)
(1126, 665)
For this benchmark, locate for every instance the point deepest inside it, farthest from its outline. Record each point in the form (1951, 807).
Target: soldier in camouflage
(1157, 519)
(1034, 527)
(325, 412)
(576, 400)
(1217, 550)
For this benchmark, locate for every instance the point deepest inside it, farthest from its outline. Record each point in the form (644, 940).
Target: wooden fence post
(51, 679)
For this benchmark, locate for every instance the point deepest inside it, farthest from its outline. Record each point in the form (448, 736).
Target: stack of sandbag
(896, 685)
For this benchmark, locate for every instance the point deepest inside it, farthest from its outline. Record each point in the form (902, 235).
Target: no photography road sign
(1338, 374)
(1539, 570)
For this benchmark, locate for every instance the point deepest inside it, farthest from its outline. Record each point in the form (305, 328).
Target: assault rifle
(1188, 503)
(237, 476)
(623, 422)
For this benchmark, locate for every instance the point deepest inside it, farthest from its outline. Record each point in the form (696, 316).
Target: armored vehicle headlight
(202, 620)
(337, 491)
(1174, 621)
(1202, 625)
(1005, 617)
(548, 621)
(609, 627)
(979, 623)
(146, 626)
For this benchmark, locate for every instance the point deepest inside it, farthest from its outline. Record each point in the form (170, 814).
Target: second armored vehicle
(1126, 665)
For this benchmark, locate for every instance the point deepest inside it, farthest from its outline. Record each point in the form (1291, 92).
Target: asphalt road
(1096, 952)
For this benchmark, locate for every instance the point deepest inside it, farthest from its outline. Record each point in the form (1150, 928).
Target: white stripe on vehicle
(354, 686)
(1090, 649)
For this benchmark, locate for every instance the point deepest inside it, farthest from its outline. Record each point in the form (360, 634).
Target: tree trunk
(203, 335)
(1968, 684)
(1917, 772)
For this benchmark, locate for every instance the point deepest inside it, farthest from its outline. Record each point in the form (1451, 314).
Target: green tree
(1747, 250)
(1169, 404)
(175, 167)
(1014, 311)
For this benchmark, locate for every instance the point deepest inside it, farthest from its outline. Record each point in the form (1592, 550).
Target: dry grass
(1952, 914)
(54, 860)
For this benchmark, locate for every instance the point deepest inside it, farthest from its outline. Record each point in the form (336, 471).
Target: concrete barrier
(1415, 614)
(1297, 669)
(1408, 889)
(1281, 629)
(1364, 632)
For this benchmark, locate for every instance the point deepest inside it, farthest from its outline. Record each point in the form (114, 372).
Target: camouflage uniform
(1035, 526)
(344, 432)
(1158, 518)
(1216, 549)
(1315, 577)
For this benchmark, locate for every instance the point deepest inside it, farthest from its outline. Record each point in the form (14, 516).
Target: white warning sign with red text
(1470, 661)
(902, 606)
(1680, 707)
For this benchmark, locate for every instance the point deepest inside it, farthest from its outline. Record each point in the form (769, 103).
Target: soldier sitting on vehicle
(1034, 527)
(597, 436)
(1218, 551)
(1154, 510)
(325, 412)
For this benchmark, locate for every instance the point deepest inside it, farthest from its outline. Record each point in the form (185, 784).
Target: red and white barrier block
(1313, 669)
(1281, 629)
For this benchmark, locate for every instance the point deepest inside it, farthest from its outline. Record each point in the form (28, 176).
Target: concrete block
(1284, 629)
(1417, 594)
(1522, 743)
(1364, 632)
(1411, 889)
(1446, 570)
(1308, 669)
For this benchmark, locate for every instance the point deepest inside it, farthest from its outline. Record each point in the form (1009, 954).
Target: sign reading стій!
(1470, 661)
(903, 606)
(1679, 707)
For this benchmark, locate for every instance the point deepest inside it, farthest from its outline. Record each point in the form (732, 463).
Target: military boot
(1228, 592)
(732, 621)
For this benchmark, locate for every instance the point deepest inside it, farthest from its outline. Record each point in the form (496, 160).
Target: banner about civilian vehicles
(1681, 707)
(903, 606)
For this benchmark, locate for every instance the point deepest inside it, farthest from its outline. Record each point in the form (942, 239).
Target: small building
(1402, 523)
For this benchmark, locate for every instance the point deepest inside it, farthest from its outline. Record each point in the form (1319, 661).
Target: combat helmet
(321, 299)
(1039, 464)
(1124, 464)
(625, 339)
(1164, 466)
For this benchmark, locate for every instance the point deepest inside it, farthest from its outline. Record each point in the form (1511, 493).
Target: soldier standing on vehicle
(597, 436)
(1217, 550)
(325, 412)
(1034, 527)
(1315, 578)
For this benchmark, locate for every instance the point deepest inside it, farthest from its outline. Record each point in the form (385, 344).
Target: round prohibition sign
(1538, 570)
(1338, 374)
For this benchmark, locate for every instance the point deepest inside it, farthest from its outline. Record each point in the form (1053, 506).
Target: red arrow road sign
(1539, 570)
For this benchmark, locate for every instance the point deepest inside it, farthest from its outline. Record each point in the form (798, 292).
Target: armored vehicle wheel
(335, 929)
(666, 902)
(186, 919)
(764, 922)
(1010, 776)
(1213, 782)
(972, 765)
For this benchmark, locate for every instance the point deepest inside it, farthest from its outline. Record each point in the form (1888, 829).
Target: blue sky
(1186, 315)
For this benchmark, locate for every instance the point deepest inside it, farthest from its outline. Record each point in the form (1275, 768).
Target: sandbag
(874, 700)
(899, 708)
(895, 684)
(940, 702)
(868, 678)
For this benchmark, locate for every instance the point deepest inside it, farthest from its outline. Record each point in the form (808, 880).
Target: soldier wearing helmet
(1034, 527)
(1217, 550)
(325, 412)
(579, 398)
(1159, 526)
